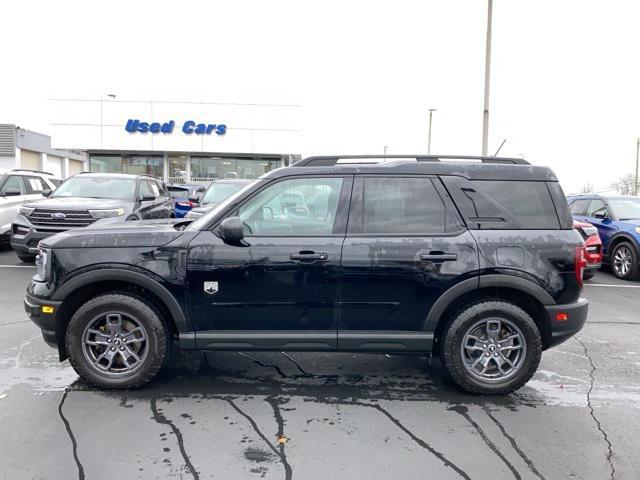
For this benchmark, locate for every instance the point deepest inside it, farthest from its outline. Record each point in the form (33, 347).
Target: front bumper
(33, 306)
(566, 320)
(25, 237)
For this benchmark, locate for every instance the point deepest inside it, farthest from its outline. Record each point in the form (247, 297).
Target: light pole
(635, 183)
(487, 78)
(431, 110)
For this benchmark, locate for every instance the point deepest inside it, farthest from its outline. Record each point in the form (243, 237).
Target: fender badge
(210, 287)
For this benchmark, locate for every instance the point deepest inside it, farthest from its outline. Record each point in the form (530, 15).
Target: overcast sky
(565, 88)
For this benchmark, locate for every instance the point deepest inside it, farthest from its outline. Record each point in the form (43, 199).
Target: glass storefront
(179, 166)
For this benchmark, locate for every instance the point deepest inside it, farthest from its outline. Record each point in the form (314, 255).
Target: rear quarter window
(508, 205)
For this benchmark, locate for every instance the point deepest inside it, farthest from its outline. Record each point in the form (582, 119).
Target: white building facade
(183, 142)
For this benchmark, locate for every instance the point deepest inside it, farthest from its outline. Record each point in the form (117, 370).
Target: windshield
(625, 208)
(205, 219)
(217, 192)
(96, 187)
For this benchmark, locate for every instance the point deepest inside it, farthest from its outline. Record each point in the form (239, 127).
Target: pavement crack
(279, 452)
(280, 435)
(447, 463)
(262, 364)
(162, 420)
(295, 362)
(72, 437)
(464, 411)
(592, 376)
(514, 444)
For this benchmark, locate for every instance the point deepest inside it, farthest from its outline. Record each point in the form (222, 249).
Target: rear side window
(578, 206)
(36, 184)
(504, 205)
(402, 205)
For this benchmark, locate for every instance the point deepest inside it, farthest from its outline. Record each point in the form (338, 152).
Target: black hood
(145, 233)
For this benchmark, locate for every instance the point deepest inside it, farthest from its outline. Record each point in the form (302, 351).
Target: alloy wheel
(115, 344)
(622, 260)
(493, 350)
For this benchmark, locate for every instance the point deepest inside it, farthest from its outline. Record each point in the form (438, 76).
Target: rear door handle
(309, 256)
(438, 256)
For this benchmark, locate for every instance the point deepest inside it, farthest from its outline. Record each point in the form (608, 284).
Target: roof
(115, 175)
(474, 168)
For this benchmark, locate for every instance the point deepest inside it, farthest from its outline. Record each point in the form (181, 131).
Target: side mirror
(231, 230)
(47, 192)
(11, 192)
(601, 215)
(147, 198)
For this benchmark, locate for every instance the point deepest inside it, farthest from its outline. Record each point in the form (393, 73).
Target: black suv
(476, 261)
(85, 199)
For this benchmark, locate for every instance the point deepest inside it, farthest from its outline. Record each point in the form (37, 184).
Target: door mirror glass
(231, 230)
(601, 214)
(11, 192)
(46, 192)
(147, 197)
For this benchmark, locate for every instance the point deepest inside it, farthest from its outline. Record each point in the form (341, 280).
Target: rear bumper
(576, 315)
(46, 322)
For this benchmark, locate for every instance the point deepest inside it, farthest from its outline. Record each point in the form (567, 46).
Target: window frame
(30, 191)
(605, 205)
(357, 208)
(342, 211)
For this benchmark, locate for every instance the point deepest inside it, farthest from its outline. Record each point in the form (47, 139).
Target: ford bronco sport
(475, 261)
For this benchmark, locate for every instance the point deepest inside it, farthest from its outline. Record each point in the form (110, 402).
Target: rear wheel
(117, 341)
(491, 348)
(624, 261)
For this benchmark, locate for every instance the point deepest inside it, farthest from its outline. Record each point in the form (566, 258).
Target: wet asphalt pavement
(247, 415)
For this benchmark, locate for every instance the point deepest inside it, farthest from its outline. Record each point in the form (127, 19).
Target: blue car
(618, 222)
(185, 197)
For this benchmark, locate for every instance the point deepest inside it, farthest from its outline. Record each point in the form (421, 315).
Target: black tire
(26, 258)
(632, 271)
(452, 356)
(589, 275)
(157, 334)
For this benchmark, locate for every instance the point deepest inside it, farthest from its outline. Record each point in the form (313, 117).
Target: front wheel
(491, 348)
(624, 261)
(117, 341)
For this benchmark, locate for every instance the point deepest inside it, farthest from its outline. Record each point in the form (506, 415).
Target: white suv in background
(18, 186)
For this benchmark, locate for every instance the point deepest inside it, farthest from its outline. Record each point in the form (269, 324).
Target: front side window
(578, 206)
(305, 206)
(403, 205)
(14, 182)
(96, 187)
(145, 189)
(596, 207)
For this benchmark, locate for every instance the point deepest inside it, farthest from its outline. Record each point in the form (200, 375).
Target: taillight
(186, 204)
(580, 264)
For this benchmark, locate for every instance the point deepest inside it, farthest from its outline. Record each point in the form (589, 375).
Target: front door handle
(309, 256)
(438, 256)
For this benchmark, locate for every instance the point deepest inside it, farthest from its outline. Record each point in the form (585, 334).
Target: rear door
(599, 215)
(9, 204)
(405, 246)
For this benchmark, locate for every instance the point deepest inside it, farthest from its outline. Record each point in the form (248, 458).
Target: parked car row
(35, 205)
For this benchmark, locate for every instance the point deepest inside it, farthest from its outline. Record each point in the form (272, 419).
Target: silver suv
(18, 186)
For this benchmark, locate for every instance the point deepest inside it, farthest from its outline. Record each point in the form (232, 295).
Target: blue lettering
(221, 129)
(188, 127)
(210, 128)
(168, 127)
(154, 127)
(132, 125)
(201, 128)
(143, 127)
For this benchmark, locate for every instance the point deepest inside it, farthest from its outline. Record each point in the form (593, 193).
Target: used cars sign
(189, 127)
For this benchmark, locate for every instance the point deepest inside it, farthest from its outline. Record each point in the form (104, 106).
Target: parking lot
(271, 415)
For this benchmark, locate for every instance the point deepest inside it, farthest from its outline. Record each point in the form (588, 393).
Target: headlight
(26, 211)
(114, 212)
(192, 214)
(43, 265)
(637, 229)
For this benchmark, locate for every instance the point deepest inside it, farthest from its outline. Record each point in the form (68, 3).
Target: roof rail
(29, 170)
(330, 160)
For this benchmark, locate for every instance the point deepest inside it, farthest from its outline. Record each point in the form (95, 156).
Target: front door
(279, 289)
(405, 246)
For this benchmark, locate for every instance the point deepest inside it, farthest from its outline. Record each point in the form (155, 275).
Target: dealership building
(181, 142)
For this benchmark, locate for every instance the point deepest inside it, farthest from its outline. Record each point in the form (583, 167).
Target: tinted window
(504, 205)
(578, 206)
(596, 206)
(14, 181)
(303, 206)
(402, 205)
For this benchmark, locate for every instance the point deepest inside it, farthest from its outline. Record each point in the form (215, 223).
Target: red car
(593, 244)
